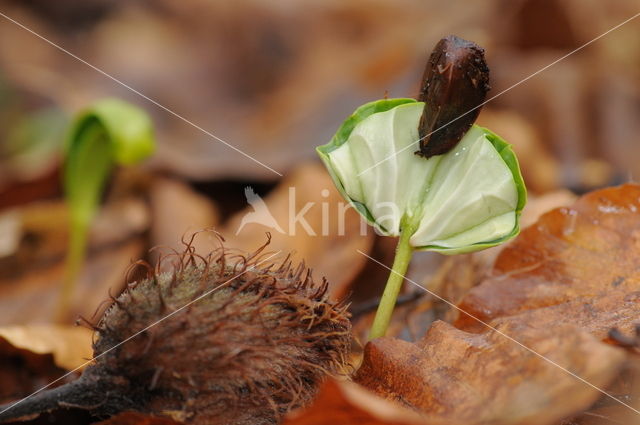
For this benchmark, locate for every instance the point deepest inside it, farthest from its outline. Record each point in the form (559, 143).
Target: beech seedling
(463, 192)
(111, 132)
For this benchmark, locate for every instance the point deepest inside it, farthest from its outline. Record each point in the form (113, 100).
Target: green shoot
(111, 132)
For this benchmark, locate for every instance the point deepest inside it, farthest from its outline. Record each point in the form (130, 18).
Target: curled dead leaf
(459, 377)
(577, 265)
(552, 297)
(346, 403)
(449, 277)
(22, 371)
(32, 356)
(70, 346)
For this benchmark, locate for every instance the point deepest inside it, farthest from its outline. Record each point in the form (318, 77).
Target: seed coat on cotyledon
(455, 81)
(247, 353)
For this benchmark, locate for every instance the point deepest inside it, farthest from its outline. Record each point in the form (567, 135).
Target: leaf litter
(463, 373)
(558, 289)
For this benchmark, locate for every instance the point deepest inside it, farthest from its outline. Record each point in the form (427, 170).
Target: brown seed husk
(454, 86)
(219, 340)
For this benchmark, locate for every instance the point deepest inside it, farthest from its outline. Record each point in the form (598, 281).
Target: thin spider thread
(141, 331)
(531, 350)
(503, 91)
(128, 87)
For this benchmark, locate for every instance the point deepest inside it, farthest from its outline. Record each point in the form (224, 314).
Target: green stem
(394, 283)
(76, 253)
(110, 132)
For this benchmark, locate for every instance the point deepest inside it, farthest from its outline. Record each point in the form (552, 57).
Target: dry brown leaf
(607, 411)
(281, 73)
(537, 205)
(178, 210)
(346, 403)
(42, 232)
(69, 345)
(279, 78)
(33, 356)
(459, 273)
(135, 418)
(328, 246)
(557, 289)
(461, 377)
(450, 277)
(32, 297)
(576, 265)
(22, 371)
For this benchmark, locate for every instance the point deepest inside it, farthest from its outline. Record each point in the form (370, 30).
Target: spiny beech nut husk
(455, 81)
(249, 352)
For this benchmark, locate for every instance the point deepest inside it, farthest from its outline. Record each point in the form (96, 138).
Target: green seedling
(464, 198)
(111, 132)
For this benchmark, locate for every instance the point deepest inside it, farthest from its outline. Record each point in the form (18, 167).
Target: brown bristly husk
(221, 339)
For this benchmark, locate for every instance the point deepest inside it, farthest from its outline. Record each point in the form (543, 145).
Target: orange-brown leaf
(577, 265)
(459, 377)
(70, 346)
(346, 403)
(135, 418)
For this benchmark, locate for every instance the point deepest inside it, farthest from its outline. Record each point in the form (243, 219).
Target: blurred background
(275, 79)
